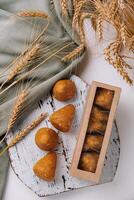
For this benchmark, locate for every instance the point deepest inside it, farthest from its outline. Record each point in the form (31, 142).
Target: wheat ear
(118, 62)
(80, 49)
(64, 7)
(24, 60)
(74, 54)
(115, 49)
(24, 132)
(99, 28)
(113, 6)
(77, 13)
(124, 34)
(32, 14)
(29, 72)
(16, 108)
(75, 2)
(15, 111)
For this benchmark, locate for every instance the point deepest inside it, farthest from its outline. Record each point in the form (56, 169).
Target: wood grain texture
(26, 153)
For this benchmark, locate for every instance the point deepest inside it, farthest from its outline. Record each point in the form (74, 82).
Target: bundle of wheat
(118, 13)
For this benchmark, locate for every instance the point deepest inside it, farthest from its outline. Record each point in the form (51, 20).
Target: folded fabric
(3, 171)
(14, 32)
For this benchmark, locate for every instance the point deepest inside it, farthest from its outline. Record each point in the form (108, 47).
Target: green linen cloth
(3, 172)
(14, 32)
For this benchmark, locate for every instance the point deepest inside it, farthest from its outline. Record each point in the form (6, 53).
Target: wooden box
(95, 131)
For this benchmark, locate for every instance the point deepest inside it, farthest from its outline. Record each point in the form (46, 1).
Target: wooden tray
(26, 153)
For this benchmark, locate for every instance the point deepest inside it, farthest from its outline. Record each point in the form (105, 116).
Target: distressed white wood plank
(24, 155)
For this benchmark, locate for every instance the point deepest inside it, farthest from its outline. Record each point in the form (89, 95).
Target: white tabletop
(96, 68)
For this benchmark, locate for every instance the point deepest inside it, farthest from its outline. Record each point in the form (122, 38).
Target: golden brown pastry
(93, 142)
(98, 120)
(96, 126)
(88, 161)
(62, 118)
(46, 166)
(99, 115)
(46, 139)
(104, 98)
(64, 90)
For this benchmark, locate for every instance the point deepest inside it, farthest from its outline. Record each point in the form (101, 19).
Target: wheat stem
(24, 132)
(27, 73)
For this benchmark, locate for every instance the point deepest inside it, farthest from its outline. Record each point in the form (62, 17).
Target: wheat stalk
(81, 29)
(26, 57)
(74, 54)
(125, 75)
(113, 6)
(115, 49)
(64, 7)
(24, 60)
(16, 108)
(130, 43)
(124, 34)
(77, 13)
(32, 14)
(121, 4)
(15, 111)
(75, 2)
(119, 14)
(29, 72)
(118, 62)
(24, 132)
(80, 49)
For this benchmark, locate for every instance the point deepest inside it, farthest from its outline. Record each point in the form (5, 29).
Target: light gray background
(95, 67)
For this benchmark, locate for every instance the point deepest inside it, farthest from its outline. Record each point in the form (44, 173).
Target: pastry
(46, 166)
(98, 120)
(64, 90)
(88, 161)
(104, 98)
(62, 118)
(93, 142)
(46, 139)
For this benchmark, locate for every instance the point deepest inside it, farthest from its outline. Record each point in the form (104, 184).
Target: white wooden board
(24, 155)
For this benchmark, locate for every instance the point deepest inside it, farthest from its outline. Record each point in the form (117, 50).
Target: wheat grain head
(64, 7)
(28, 13)
(24, 60)
(16, 108)
(24, 132)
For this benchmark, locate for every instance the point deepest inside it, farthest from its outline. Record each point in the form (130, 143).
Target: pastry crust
(104, 98)
(64, 90)
(62, 118)
(46, 166)
(46, 139)
(93, 142)
(98, 120)
(88, 161)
